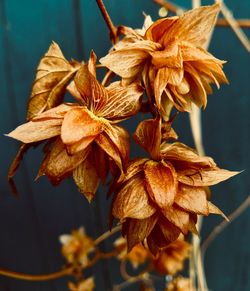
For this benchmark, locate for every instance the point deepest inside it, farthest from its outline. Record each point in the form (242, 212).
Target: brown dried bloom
(180, 284)
(84, 285)
(170, 260)
(170, 58)
(76, 247)
(86, 131)
(161, 197)
(137, 256)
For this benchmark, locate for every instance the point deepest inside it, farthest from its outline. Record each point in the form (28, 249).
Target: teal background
(30, 225)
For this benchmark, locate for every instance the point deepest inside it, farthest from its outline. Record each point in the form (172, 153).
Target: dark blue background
(31, 224)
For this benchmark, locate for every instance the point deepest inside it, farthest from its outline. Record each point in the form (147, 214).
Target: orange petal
(79, 123)
(169, 230)
(86, 177)
(58, 164)
(192, 199)
(132, 201)
(139, 229)
(80, 145)
(148, 136)
(161, 183)
(204, 177)
(123, 101)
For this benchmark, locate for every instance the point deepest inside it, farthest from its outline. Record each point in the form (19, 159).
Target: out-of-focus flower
(137, 256)
(84, 285)
(87, 134)
(76, 247)
(170, 58)
(161, 197)
(180, 284)
(171, 260)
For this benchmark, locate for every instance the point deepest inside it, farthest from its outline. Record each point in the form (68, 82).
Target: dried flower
(76, 247)
(180, 284)
(174, 66)
(170, 260)
(84, 285)
(87, 132)
(137, 256)
(160, 197)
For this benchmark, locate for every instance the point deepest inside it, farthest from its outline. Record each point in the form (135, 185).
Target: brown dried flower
(76, 247)
(87, 134)
(161, 197)
(84, 285)
(174, 66)
(180, 284)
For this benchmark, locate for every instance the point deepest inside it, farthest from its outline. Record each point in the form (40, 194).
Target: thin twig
(44, 277)
(110, 25)
(219, 228)
(235, 26)
(107, 234)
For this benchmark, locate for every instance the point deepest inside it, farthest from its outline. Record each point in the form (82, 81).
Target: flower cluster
(156, 198)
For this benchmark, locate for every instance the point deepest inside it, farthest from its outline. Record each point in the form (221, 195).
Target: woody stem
(106, 17)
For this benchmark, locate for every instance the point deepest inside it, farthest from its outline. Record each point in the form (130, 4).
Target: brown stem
(111, 27)
(219, 228)
(43, 277)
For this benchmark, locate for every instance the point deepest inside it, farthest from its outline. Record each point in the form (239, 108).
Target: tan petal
(180, 153)
(80, 145)
(79, 123)
(120, 138)
(86, 177)
(58, 164)
(161, 182)
(215, 210)
(72, 89)
(92, 64)
(178, 217)
(192, 199)
(169, 230)
(134, 167)
(139, 229)
(123, 101)
(195, 25)
(148, 136)
(204, 177)
(129, 62)
(33, 131)
(53, 74)
(132, 201)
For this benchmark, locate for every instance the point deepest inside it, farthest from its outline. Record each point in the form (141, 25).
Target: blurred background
(30, 224)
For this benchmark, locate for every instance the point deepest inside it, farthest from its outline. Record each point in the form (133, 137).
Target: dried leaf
(132, 201)
(161, 182)
(53, 74)
(148, 136)
(86, 177)
(204, 177)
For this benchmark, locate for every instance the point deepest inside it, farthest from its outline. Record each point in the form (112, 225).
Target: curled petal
(148, 135)
(204, 177)
(161, 183)
(215, 210)
(86, 177)
(79, 123)
(132, 201)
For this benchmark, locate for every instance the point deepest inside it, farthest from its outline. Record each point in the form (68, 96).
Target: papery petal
(180, 153)
(123, 101)
(178, 217)
(195, 25)
(148, 136)
(204, 177)
(139, 229)
(34, 131)
(132, 201)
(53, 74)
(80, 145)
(101, 162)
(86, 177)
(161, 182)
(215, 210)
(79, 123)
(58, 164)
(192, 199)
